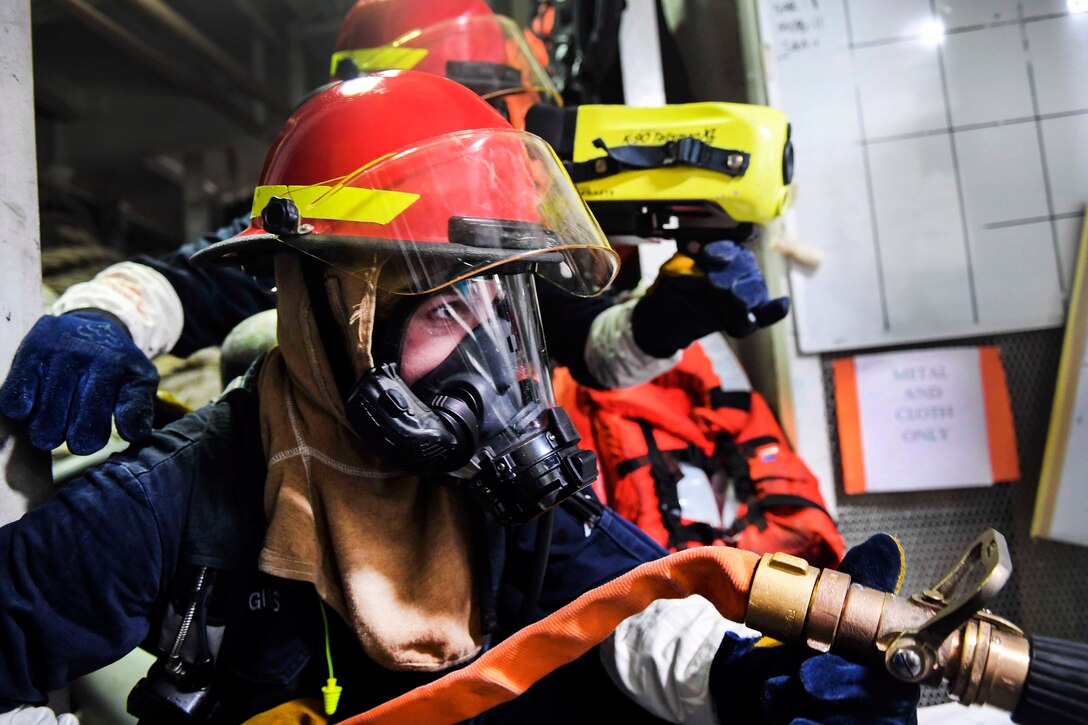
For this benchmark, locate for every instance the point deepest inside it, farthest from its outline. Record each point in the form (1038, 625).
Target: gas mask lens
(460, 388)
(479, 340)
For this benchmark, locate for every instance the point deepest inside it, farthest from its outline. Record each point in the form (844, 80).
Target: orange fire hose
(723, 576)
(943, 636)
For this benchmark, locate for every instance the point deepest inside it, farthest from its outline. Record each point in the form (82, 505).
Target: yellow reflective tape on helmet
(385, 57)
(344, 203)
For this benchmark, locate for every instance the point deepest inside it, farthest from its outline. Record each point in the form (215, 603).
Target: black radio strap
(686, 151)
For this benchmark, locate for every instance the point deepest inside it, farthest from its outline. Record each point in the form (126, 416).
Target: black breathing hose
(540, 564)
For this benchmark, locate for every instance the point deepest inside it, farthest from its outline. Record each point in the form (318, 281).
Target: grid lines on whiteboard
(942, 164)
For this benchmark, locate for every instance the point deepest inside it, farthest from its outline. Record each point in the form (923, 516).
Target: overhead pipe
(260, 24)
(197, 41)
(158, 63)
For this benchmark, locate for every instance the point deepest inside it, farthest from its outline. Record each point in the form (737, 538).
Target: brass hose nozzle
(943, 634)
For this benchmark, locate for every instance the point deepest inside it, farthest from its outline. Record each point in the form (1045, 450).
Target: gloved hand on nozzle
(767, 681)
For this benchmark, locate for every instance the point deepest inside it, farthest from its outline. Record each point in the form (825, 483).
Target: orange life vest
(642, 435)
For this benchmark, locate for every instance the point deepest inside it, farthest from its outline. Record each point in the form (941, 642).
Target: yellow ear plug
(331, 693)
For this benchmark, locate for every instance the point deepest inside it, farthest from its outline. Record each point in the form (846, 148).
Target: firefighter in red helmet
(468, 216)
(376, 470)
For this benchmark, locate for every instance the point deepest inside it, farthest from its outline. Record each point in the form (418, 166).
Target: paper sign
(925, 419)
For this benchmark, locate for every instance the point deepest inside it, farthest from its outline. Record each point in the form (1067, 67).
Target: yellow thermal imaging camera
(692, 171)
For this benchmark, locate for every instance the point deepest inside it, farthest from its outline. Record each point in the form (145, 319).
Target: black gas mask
(461, 389)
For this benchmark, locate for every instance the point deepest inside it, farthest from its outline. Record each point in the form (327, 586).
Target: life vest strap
(666, 473)
(692, 455)
(758, 506)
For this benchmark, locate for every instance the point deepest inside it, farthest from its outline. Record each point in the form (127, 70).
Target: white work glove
(27, 715)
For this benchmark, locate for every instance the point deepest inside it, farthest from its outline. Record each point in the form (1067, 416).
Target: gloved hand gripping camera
(703, 174)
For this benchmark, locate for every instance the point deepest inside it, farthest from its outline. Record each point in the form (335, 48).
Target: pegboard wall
(1048, 591)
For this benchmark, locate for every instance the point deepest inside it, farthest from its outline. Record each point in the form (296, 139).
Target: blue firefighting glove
(71, 373)
(720, 289)
(765, 681)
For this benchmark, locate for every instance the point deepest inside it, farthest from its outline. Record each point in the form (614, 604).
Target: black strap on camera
(684, 151)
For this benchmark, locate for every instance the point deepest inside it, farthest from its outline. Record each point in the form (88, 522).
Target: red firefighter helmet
(460, 39)
(420, 168)
(372, 23)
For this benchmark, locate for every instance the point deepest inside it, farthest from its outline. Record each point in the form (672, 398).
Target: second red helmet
(460, 39)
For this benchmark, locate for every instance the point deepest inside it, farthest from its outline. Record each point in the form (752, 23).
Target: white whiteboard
(942, 162)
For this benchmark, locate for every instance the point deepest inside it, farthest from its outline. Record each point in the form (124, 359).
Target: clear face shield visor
(452, 208)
